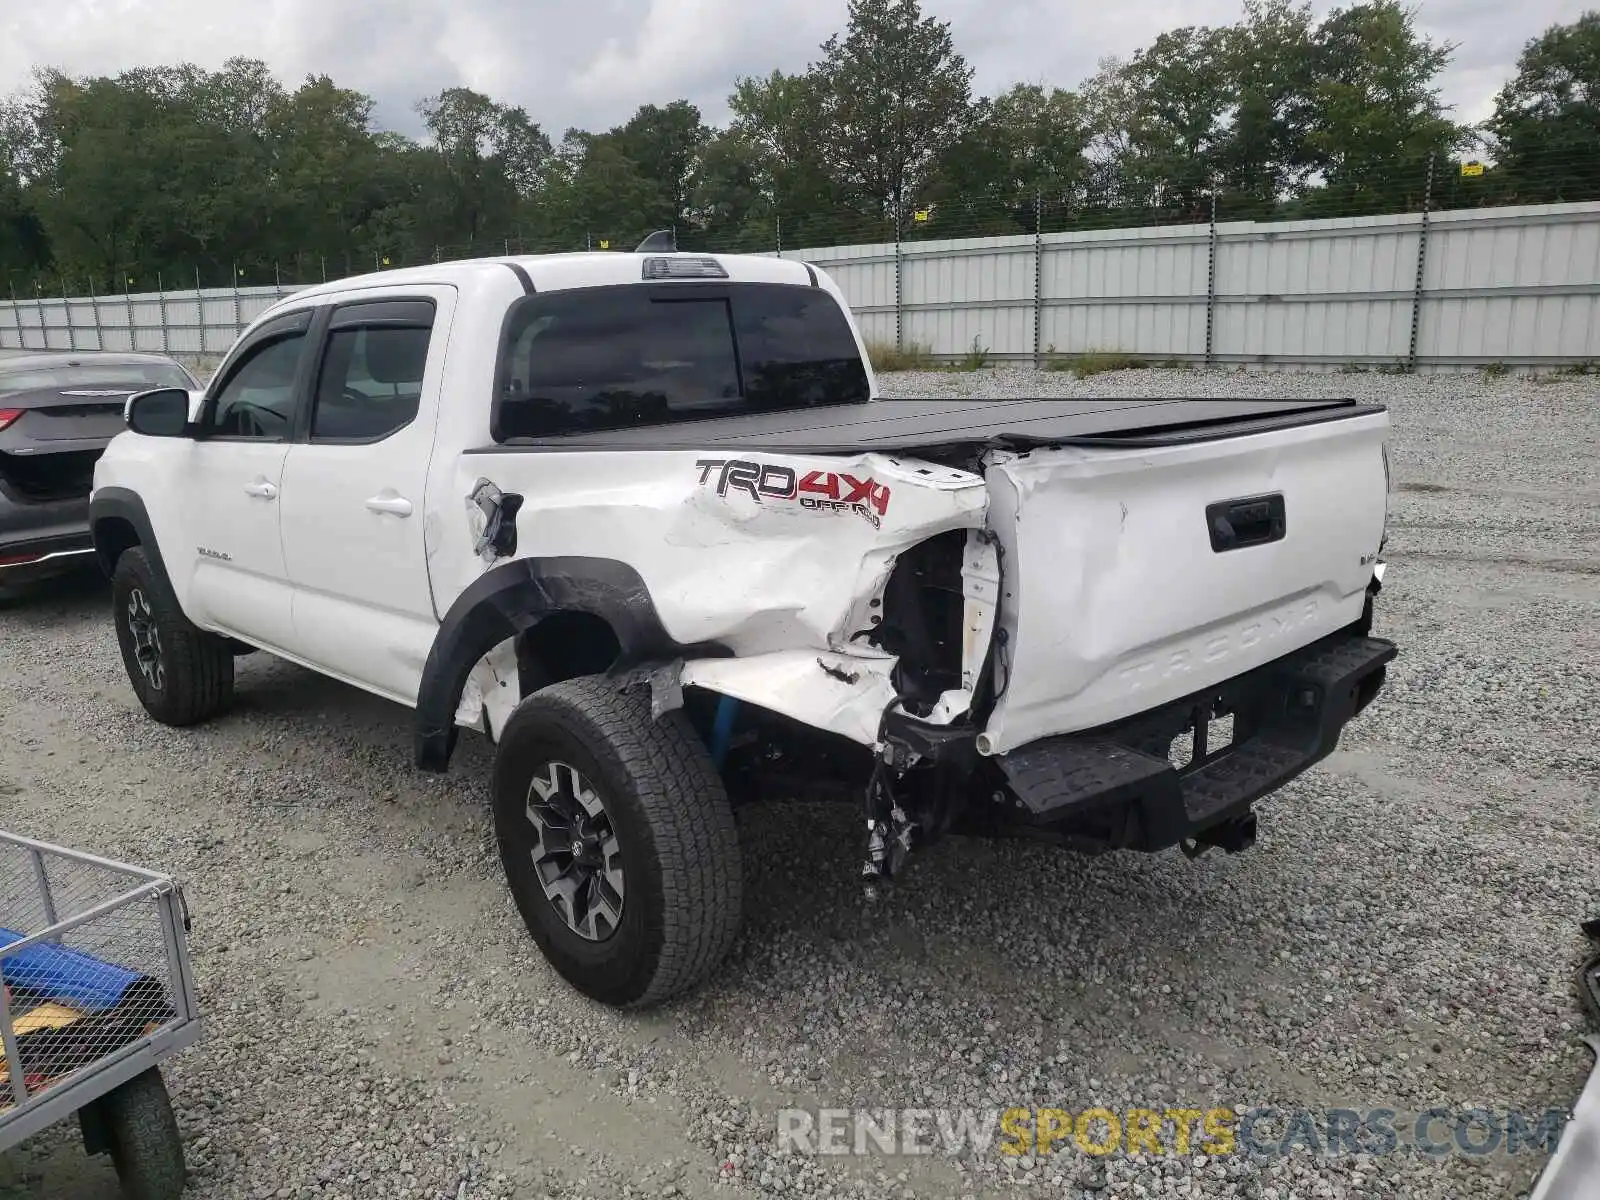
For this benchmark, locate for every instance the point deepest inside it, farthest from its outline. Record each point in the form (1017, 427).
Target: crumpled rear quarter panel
(765, 554)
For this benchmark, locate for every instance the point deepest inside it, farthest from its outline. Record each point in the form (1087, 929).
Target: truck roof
(555, 272)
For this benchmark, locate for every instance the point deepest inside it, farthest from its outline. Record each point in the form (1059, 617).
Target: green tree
(778, 118)
(160, 171)
(664, 145)
(232, 208)
(1378, 119)
(1265, 156)
(1023, 151)
(1206, 111)
(1184, 91)
(327, 178)
(491, 157)
(1110, 104)
(731, 202)
(398, 207)
(23, 245)
(111, 189)
(1547, 117)
(895, 99)
(594, 194)
(134, 174)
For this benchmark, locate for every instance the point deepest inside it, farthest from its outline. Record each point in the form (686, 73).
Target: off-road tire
(679, 843)
(143, 1137)
(195, 680)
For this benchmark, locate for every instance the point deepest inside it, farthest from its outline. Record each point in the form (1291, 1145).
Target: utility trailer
(98, 991)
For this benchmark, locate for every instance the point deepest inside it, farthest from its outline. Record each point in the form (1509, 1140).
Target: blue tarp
(67, 976)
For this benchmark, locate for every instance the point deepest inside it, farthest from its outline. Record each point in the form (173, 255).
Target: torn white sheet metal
(778, 557)
(1573, 1172)
(492, 692)
(843, 693)
(808, 544)
(760, 553)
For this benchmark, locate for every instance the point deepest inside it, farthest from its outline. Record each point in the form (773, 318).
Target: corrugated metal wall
(188, 324)
(1452, 290)
(1519, 286)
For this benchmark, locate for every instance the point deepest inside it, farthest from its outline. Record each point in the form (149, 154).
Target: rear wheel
(618, 841)
(181, 674)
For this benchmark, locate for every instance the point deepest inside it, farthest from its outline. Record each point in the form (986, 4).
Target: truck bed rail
(904, 426)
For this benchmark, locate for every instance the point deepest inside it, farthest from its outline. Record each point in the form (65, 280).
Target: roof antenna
(659, 241)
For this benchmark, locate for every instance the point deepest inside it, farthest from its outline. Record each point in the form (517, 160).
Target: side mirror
(163, 412)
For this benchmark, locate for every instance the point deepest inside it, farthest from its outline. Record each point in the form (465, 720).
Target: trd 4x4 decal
(822, 491)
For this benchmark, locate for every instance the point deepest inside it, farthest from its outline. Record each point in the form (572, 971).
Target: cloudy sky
(591, 63)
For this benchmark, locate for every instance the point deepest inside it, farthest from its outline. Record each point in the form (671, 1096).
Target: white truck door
(353, 511)
(230, 549)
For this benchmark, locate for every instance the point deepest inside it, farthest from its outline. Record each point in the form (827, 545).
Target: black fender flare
(514, 597)
(122, 504)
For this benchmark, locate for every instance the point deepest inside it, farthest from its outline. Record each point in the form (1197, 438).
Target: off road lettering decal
(819, 491)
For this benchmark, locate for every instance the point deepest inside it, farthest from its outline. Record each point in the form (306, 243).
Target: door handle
(388, 502)
(1253, 521)
(262, 489)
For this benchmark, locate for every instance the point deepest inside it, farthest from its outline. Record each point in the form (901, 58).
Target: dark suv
(57, 412)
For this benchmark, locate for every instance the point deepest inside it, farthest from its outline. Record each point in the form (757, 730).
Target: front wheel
(618, 841)
(181, 674)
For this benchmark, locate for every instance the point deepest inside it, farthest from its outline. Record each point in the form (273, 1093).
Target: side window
(257, 401)
(370, 384)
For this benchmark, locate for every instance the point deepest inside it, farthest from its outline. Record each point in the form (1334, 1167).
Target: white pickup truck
(642, 520)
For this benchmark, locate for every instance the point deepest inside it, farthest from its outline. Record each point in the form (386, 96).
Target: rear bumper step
(1118, 786)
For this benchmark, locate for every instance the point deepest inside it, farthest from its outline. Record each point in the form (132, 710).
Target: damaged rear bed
(1122, 552)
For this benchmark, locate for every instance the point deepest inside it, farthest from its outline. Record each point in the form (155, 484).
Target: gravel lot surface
(1403, 935)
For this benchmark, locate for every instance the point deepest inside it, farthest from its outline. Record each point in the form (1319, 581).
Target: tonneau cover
(890, 426)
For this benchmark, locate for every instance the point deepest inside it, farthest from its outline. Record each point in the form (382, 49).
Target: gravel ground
(1403, 935)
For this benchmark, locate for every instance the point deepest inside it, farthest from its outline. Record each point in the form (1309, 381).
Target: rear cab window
(591, 359)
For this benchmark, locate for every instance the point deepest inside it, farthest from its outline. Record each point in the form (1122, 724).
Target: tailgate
(1135, 576)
